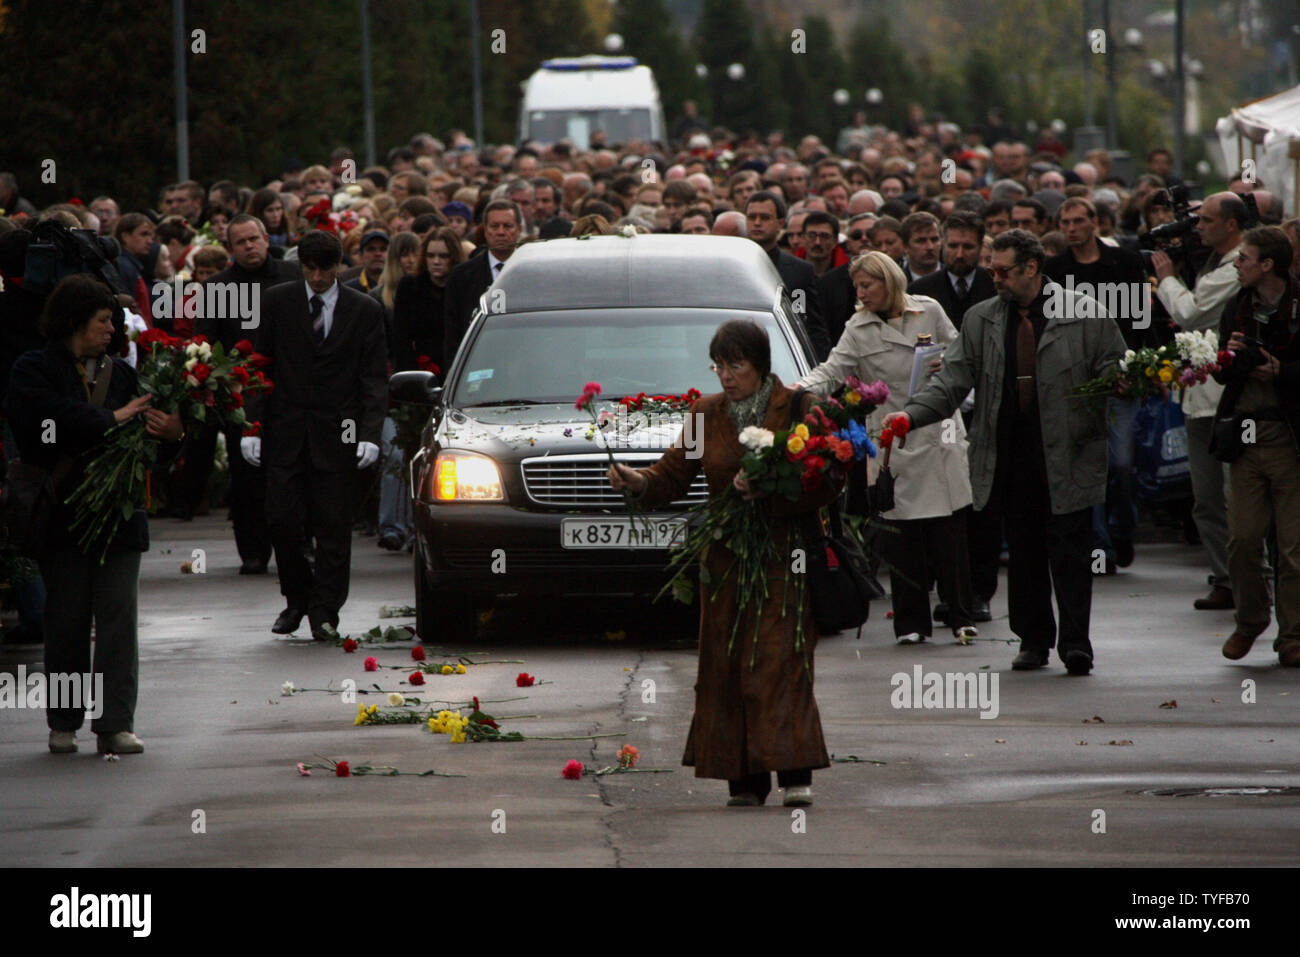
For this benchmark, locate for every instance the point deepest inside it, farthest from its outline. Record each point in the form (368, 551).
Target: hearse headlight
(466, 477)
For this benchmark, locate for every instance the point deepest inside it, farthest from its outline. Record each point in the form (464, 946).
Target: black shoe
(391, 541)
(324, 632)
(1078, 662)
(288, 621)
(941, 613)
(1123, 554)
(979, 611)
(1219, 599)
(1029, 659)
(253, 568)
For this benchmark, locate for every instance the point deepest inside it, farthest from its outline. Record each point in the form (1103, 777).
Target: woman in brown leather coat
(749, 720)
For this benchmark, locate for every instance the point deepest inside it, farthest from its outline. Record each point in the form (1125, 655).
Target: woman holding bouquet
(62, 400)
(754, 706)
(927, 538)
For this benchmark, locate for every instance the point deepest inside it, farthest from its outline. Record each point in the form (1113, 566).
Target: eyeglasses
(1001, 272)
(858, 235)
(735, 368)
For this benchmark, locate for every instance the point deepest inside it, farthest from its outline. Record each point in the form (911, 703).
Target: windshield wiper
(481, 405)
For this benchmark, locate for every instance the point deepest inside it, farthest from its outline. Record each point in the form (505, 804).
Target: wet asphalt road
(949, 788)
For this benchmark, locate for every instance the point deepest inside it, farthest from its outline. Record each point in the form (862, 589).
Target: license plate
(620, 533)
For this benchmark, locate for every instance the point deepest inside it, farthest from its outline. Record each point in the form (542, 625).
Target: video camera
(58, 251)
(1176, 239)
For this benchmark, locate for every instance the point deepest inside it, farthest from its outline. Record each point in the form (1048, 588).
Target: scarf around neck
(752, 409)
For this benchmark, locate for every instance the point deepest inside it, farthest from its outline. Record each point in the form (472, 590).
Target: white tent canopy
(1267, 134)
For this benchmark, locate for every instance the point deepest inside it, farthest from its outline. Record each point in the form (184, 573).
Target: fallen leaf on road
(999, 740)
(1095, 719)
(1214, 701)
(1120, 743)
(1081, 742)
(1171, 703)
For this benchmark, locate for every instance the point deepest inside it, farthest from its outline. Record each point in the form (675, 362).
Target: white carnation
(628, 231)
(192, 349)
(287, 688)
(755, 439)
(395, 699)
(191, 363)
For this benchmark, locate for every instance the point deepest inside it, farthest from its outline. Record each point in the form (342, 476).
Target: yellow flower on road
(446, 669)
(460, 669)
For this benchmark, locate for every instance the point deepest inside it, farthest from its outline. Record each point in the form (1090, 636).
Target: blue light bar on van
(590, 63)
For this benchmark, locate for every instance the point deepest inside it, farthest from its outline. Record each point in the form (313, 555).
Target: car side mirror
(422, 388)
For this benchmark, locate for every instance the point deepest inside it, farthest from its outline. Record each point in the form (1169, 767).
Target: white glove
(367, 454)
(250, 447)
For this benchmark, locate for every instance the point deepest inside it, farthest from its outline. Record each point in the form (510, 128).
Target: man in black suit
(321, 423)
(764, 214)
(503, 223)
(961, 282)
(958, 285)
(254, 268)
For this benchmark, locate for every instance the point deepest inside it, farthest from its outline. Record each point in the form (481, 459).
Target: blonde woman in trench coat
(926, 537)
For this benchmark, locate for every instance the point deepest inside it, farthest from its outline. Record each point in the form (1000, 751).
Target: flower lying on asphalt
(372, 663)
(418, 653)
(342, 770)
(417, 678)
(304, 770)
(395, 699)
(448, 669)
(572, 771)
(525, 680)
(349, 645)
(287, 689)
(363, 713)
(628, 756)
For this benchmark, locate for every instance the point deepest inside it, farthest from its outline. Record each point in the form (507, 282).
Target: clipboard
(920, 365)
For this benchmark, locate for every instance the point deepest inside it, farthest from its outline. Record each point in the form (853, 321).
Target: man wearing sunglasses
(1038, 455)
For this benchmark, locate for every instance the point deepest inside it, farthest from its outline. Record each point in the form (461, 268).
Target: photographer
(1262, 396)
(1222, 218)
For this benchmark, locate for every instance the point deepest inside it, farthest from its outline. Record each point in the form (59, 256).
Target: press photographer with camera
(1219, 225)
(1262, 396)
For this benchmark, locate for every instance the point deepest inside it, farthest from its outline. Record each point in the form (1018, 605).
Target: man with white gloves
(322, 421)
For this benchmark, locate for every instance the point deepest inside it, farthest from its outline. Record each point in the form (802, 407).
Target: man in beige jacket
(1222, 218)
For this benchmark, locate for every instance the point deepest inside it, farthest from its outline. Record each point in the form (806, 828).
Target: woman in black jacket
(60, 408)
(417, 306)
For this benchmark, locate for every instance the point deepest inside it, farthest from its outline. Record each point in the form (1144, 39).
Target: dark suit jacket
(938, 286)
(318, 390)
(465, 285)
(838, 300)
(799, 276)
(1117, 265)
(229, 329)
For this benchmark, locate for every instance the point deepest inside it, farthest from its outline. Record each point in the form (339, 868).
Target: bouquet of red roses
(189, 376)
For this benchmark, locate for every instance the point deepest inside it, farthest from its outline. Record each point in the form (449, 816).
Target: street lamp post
(367, 93)
(182, 107)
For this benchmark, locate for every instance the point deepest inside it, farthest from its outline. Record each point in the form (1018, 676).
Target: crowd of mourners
(932, 198)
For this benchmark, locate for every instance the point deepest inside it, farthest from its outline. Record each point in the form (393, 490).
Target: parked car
(511, 498)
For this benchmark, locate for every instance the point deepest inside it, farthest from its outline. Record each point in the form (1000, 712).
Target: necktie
(496, 269)
(963, 287)
(318, 318)
(1026, 349)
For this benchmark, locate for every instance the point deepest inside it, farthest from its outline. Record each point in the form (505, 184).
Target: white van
(573, 97)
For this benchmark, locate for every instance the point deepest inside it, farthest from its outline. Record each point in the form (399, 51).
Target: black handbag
(838, 571)
(881, 493)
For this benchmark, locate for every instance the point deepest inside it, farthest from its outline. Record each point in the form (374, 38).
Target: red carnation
(418, 653)
(573, 771)
(200, 340)
(589, 392)
(372, 663)
(342, 770)
(253, 429)
(488, 722)
(349, 645)
(201, 371)
(901, 426)
(244, 347)
(1225, 357)
(476, 706)
(236, 400)
(417, 678)
(259, 361)
(239, 374)
(76, 201)
(525, 680)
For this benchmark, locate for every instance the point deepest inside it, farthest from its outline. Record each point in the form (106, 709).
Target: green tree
(648, 33)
